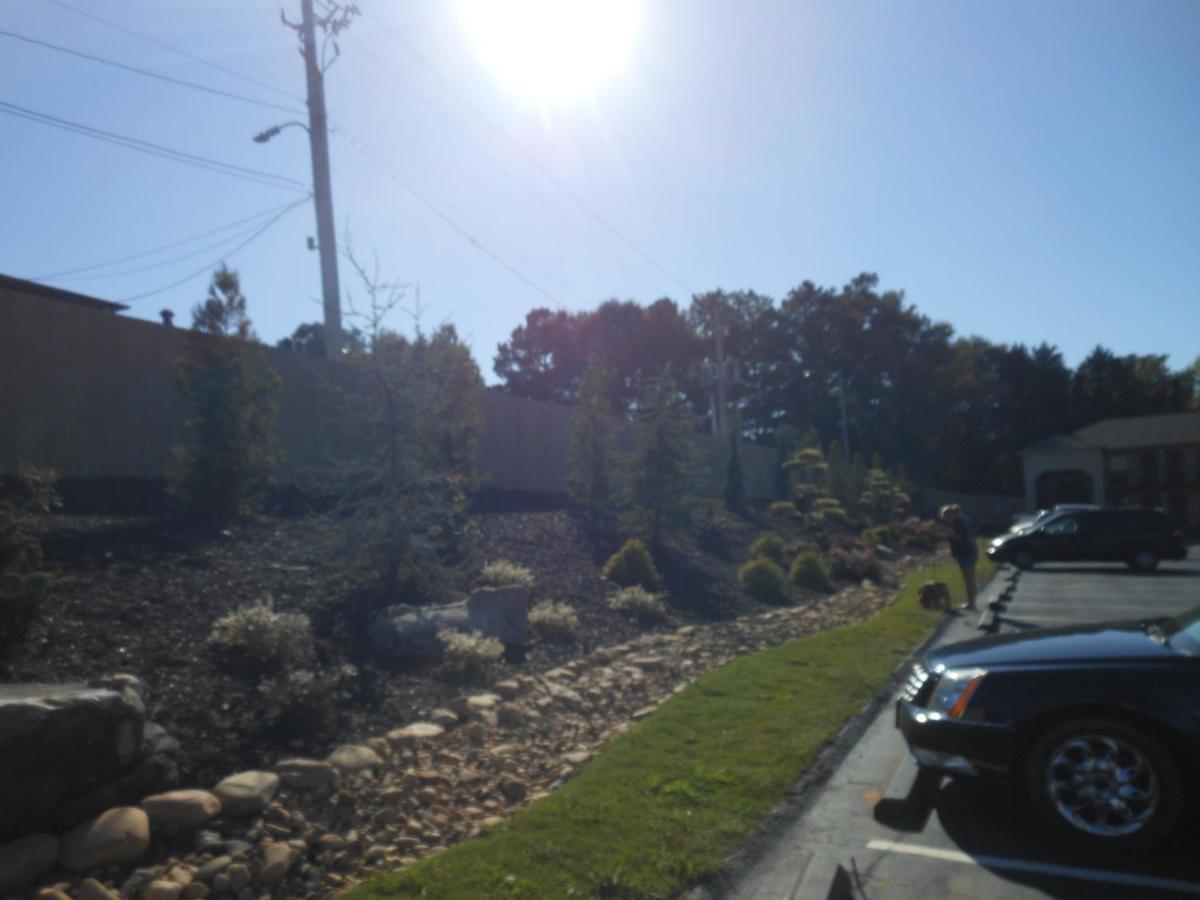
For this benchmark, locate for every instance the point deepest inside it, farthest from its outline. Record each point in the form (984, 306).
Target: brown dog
(934, 595)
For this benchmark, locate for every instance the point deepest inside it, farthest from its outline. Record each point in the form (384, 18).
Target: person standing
(962, 547)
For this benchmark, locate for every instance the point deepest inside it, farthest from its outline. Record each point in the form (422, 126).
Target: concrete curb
(800, 797)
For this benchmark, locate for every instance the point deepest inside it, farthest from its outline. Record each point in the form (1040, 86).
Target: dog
(934, 595)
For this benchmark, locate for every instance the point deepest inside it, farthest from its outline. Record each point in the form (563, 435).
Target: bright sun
(552, 50)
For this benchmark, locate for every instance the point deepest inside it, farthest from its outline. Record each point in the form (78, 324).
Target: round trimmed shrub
(809, 571)
(769, 545)
(764, 580)
(632, 565)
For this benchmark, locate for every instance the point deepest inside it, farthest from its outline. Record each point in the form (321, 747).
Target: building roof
(1127, 433)
(32, 288)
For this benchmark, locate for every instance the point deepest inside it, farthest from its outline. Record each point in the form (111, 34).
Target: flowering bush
(639, 602)
(468, 654)
(554, 620)
(503, 573)
(260, 635)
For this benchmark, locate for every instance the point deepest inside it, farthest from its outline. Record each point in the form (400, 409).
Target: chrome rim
(1102, 785)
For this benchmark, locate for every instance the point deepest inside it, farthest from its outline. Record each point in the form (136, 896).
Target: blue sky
(1026, 171)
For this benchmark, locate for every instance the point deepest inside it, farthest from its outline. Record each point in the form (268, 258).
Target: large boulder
(68, 751)
(502, 613)
(116, 836)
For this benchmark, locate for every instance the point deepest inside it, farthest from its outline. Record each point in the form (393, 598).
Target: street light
(263, 136)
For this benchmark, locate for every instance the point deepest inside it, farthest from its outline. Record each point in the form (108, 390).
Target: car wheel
(1103, 782)
(1024, 560)
(1145, 561)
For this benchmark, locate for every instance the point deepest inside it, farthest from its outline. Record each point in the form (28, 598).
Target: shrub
(921, 534)
(503, 573)
(261, 636)
(306, 699)
(768, 545)
(468, 654)
(854, 565)
(783, 509)
(809, 571)
(632, 565)
(554, 620)
(764, 580)
(21, 584)
(639, 602)
(881, 534)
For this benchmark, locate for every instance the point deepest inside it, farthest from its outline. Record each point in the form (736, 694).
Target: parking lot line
(1039, 868)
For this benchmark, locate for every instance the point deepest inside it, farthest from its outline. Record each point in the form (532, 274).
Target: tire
(1101, 782)
(1144, 561)
(1023, 560)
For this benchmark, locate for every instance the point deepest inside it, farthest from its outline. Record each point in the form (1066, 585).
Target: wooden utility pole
(322, 189)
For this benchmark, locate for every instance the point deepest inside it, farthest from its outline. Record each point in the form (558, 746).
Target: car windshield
(1184, 632)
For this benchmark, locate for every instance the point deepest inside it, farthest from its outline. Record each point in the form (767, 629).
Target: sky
(1025, 171)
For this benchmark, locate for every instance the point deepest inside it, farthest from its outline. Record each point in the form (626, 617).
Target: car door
(1099, 539)
(1059, 540)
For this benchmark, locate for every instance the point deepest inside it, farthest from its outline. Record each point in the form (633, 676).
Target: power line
(470, 238)
(221, 258)
(184, 53)
(147, 73)
(180, 156)
(159, 249)
(549, 179)
(169, 262)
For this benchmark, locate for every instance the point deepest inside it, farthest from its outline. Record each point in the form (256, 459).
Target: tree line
(950, 411)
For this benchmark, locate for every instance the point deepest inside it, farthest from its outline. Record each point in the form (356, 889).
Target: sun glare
(552, 50)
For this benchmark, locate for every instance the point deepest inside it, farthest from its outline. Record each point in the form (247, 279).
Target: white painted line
(1026, 865)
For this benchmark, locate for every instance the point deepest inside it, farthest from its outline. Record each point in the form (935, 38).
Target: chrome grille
(913, 691)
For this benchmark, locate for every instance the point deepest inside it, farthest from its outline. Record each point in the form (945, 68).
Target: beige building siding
(92, 394)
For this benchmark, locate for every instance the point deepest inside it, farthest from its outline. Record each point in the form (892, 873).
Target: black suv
(1138, 537)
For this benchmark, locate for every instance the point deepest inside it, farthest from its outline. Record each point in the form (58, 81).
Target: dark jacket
(962, 541)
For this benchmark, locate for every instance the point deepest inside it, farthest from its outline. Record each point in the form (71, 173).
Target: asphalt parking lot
(880, 829)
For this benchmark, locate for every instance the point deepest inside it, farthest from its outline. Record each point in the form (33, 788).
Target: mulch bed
(136, 596)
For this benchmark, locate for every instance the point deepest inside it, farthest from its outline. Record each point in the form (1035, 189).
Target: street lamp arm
(263, 136)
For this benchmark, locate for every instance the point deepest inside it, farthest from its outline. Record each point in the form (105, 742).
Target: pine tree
(839, 475)
(735, 478)
(231, 407)
(591, 459)
(660, 482)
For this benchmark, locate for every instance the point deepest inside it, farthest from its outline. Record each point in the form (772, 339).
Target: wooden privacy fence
(91, 394)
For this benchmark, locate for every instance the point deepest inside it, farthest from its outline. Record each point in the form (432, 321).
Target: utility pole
(322, 189)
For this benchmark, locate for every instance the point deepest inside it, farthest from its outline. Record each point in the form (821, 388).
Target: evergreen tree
(839, 474)
(735, 478)
(591, 460)
(662, 461)
(231, 407)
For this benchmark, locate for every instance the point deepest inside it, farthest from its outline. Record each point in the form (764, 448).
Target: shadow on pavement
(990, 819)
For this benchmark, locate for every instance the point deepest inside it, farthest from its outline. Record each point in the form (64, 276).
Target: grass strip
(667, 803)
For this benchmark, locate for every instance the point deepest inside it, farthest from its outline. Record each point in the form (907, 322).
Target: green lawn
(667, 803)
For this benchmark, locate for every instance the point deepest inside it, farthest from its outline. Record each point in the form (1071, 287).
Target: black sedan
(1101, 723)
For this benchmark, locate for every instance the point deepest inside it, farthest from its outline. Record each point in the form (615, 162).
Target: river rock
(277, 860)
(118, 835)
(246, 793)
(306, 774)
(354, 758)
(59, 742)
(92, 889)
(190, 808)
(160, 889)
(25, 860)
(416, 733)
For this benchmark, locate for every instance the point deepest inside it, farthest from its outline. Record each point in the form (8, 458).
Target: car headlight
(954, 690)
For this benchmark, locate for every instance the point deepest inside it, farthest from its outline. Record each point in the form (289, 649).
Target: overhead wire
(228, 254)
(184, 53)
(151, 252)
(484, 117)
(369, 154)
(58, 48)
(169, 262)
(202, 162)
